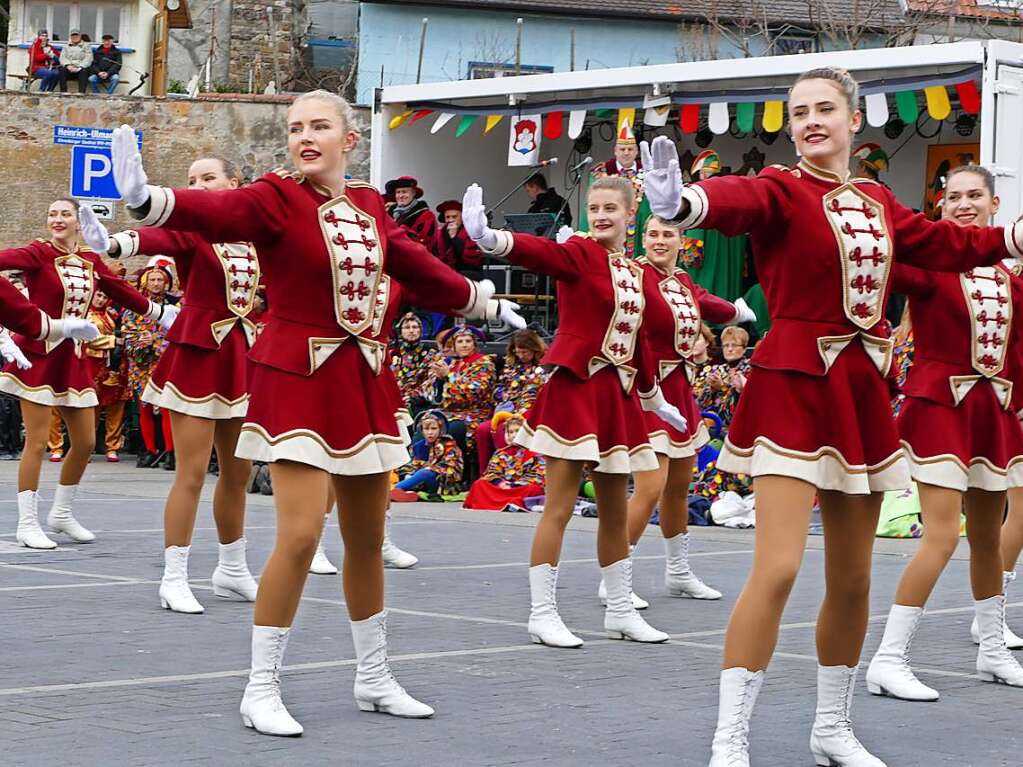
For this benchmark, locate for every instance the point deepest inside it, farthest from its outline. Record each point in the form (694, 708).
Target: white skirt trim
(949, 471)
(618, 459)
(374, 453)
(213, 406)
(666, 446)
(46, 395)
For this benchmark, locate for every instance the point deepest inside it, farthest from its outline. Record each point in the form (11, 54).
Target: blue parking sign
(92, 173)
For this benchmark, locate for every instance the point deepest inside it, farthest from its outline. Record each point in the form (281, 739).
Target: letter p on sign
(92, 173)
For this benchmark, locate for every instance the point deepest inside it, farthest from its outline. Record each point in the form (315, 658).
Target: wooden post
(422, 48)
(571, 65)
(518, 46)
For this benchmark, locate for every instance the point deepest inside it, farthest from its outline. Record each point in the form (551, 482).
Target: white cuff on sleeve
(652, 400)
(698, 206)
(52, 330)
(127, 241)
(155, 311)
(161, 205)
(1014, 238)
(505, 243)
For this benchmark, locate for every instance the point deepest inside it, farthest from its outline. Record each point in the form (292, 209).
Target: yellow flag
(492, 121)
(773, 111)
(626, 116)
(398, 120)
(938, 105)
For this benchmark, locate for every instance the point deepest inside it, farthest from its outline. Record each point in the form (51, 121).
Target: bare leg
(194, 438)
(300, 495)
(362, 502)
(674, 507)
(37, 430)
(612, 537)
(229, 494)
(783, 516)
(941, 507)
(984, 530)
(562, 488)
(1012, 531)
(81, 428)
(647, 488)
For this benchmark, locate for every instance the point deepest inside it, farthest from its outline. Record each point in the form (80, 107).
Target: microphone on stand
(581, 164)
(545, 163)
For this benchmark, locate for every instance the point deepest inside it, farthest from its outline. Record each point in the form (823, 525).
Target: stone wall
(252, 49)
(34, 171)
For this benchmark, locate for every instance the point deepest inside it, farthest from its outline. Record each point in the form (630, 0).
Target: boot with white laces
(320, 564)
(1012, 641)
(60, 519)
(994, 661)
(175, 594)
(832, 740)
(393, 556)
(638, 602)
(679, 579)
(545, 625)
(30, 534)
(262, 708)
(376, 689)
(889, 672)
(621, 621)
(737, 694)
(232, 579)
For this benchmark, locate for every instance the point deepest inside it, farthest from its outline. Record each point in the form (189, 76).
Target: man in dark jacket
(545, 199)
(106, 66)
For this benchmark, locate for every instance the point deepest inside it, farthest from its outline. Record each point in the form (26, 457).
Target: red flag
(969, 98)
(689, 118)
(420, 115)
(553, 125)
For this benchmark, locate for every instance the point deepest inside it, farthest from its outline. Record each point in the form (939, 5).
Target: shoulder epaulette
(584, 235)
(40, 239)
(285, 173)
(865, 180)
(354, 182)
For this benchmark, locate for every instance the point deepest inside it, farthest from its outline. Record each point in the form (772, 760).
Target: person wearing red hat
(410, 211)
(453, 244)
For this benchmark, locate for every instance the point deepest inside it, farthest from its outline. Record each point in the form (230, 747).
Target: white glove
(474, 218)
(662, 177)
(671, 416)
(80, 330)
(129, 176)
(507, 314)
(93, 232)
(563, 234)
(11, 353)
(743, 313)
(170, 313)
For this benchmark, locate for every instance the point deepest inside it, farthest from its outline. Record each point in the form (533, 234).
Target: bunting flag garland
(969, 97)
(420, 115)
(717, 118)
(464, 125)
(603, 114)
(744, 114)
(492, 120)
(689, 118)
(398, 120)
(905, 104)
(938, 104)
(442, 120)
(576, 123)
(877, 110)
(774, 116)
(554, 125)
(656, 117)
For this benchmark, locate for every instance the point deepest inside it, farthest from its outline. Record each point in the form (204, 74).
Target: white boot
(376, 689)
(994, 661)
(832, 741)
(30, 534)
(175, 595)
(621, 621)
(679, 579)
(60, 519)
(889, 673)
(262, 708)
(393, 556)
(320, 564)
(637, 601)
(232, 579)
(737, 694)
(1012, 641)
(545, 625)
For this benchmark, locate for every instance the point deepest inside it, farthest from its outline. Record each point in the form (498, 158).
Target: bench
(27, 80)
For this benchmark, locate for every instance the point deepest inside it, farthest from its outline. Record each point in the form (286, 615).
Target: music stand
(540, 224)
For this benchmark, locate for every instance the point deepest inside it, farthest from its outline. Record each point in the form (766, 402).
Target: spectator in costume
(468, 378)
(545, 199)
(410, 210)
(723, 383)
(716, 262)
(513, 473)
(625, 163)
(453, 245)
(105, 357)
(872, 160)
(437, 461)
(411, 360)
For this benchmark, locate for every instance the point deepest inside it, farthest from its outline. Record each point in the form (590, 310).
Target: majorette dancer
(323, 396)
(591, 408)
(815, 418)
(61, 275)
(675, 306)
(962, 438)
(201, 380)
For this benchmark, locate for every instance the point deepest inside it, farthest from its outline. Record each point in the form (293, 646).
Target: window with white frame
(92, 19)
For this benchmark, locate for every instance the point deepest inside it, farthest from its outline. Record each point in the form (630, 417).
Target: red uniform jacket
(20, 315)
(675, 306)
(824, 250)
(323, 259)
(459, 251)
(62, 284)
(220, 282)
(966, 331)
(600, 301)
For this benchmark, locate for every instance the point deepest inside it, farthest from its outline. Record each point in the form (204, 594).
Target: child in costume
(513, 474)
(436, 465)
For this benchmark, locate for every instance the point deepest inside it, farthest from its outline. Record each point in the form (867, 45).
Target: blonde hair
(341, 106)
(654, 219)
(735, 333)
(839, 77)
(617, 184)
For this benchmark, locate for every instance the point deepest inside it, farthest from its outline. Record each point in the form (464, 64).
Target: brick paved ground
(94, 673)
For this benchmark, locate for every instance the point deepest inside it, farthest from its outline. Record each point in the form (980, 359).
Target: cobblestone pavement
(95, 673)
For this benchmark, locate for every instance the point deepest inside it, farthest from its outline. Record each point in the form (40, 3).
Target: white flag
(877, 110)
(657, 109)
(576, 121)
(524, 140)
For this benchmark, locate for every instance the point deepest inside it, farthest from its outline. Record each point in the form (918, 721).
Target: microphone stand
(533, 170)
